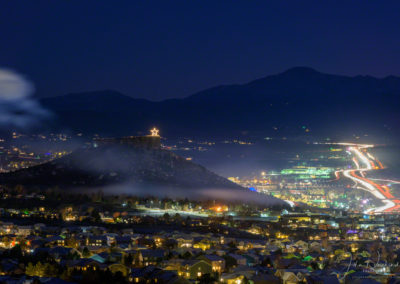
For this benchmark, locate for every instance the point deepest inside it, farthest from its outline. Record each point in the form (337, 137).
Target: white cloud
(17, 107)
(14, 86)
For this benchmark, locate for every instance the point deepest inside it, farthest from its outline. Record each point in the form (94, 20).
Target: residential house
(217, 263)
(195, 268)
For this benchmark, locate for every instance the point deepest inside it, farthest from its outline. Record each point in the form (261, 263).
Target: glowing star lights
(154, 132)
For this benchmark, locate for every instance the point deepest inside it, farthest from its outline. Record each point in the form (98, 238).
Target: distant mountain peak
(326, 102)
(301, 70)
(295, 74)
(103, 93)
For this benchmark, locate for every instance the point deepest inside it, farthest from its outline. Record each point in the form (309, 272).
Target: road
(365, 162)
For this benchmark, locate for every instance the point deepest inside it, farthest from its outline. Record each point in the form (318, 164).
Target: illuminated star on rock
(154, 132)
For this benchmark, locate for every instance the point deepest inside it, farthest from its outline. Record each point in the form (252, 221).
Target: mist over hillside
(117, 169)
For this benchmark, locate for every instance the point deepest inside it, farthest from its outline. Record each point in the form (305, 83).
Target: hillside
(277, 105)
(131, 170)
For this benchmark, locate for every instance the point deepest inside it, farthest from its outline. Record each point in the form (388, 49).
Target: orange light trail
(382, 192)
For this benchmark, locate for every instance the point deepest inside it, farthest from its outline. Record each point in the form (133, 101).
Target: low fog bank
(139, 171)
(201, 194)
(116, 169)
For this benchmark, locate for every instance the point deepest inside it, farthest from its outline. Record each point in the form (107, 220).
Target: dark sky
(164, 49)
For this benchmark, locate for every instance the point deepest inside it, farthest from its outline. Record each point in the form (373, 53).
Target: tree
(30, 269)
(170, 244)
(40, 269)
(166, 217)
(187, 255)
(50, 270)
(207, 278)
(36, 270)
(65, 275)
(232, 246)
(16, 252)
(128, 260)
(177, 217)
(230, 262)
(96, 216)
(266, 262)
(85, 252)
(19, 189)
(314, 265)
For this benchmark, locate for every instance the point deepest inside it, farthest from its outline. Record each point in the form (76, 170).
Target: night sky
(165, 49)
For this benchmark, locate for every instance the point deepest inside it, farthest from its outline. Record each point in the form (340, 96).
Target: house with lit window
(184, 241)
(96, 241)
(83, 264)
(195, 268)
(55, 241)
(232, 278)
(152, 274)
(240, 259)
(202, 243)
(217, 263)
(24, 230)
(151, 256)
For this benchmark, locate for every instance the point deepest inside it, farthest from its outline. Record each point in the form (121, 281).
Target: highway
(365, 162)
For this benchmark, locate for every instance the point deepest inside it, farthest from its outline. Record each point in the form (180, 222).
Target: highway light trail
(362, 157)
(387, 180)
(381, 192)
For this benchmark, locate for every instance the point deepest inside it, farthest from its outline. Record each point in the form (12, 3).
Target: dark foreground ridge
(127, 169)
